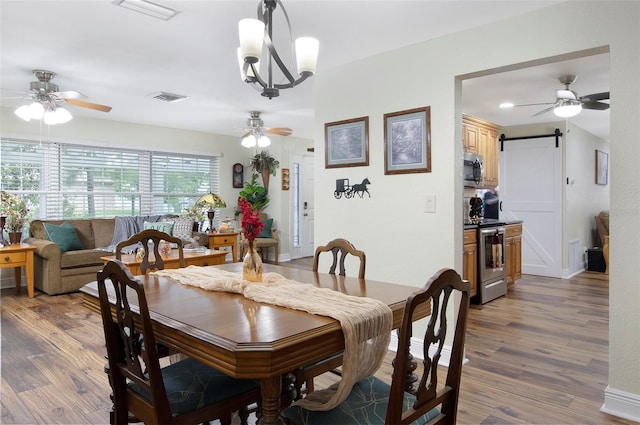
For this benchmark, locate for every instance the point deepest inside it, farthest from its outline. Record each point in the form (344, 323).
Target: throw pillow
(165, 227)
(266, 230)
(64, 236)
(183, 227)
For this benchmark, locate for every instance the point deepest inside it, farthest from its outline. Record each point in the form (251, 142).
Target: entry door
(531, 190)
(307, 204)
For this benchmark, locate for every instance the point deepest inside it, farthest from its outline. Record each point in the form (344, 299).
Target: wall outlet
(430, 203)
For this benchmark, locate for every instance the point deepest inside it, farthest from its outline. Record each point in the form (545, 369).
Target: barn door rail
(557, 134)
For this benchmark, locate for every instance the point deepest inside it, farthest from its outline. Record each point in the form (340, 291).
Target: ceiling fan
(45, 96)
(255, 133)
(568, 103)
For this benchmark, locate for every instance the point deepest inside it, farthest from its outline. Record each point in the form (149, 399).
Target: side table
(218, 240)
(18, 256)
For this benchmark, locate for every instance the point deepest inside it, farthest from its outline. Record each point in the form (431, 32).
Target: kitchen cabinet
(481, 137)
(470, 260)
(513, 246)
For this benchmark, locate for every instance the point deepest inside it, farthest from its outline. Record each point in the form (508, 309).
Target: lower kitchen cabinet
(470, 260)
(514, 253)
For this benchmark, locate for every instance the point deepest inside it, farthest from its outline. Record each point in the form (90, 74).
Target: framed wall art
(346, 143)
(602, 167)
(407, 141)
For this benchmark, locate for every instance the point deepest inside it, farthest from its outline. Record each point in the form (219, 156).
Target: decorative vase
(15, 237)
(252, 264)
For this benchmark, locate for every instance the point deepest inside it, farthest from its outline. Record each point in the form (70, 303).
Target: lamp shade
(251, 32)
(249, 141)
(568, 109)
(211, 200)
(307, 54)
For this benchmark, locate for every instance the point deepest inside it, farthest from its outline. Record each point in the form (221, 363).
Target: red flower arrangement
(251, 224)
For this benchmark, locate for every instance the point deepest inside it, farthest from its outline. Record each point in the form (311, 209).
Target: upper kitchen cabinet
(481, 137)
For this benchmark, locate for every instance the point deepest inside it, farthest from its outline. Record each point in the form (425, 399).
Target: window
(61, 181)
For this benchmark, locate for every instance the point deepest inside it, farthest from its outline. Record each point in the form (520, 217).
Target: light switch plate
(430, 203)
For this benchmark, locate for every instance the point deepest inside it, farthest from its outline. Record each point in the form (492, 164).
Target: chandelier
(254, 33)
(46, 109)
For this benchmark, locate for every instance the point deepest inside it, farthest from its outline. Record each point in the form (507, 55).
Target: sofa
(71, 262)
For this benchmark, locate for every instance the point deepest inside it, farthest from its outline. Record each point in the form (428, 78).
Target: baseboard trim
(621, 404)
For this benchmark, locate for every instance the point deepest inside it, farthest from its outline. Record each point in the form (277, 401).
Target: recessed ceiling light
(505, 105)
(148, 8)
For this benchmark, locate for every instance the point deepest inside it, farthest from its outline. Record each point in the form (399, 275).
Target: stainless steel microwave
(472, 170)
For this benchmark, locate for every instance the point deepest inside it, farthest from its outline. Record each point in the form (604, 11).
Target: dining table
(246, 339)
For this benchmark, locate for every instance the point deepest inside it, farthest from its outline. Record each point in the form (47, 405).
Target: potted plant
(255, 194)
(264, 164)
(16, 213)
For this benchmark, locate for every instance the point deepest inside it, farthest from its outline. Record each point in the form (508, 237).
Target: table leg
(270, 389)
(17, 271)
(234, 252)
(28, 270)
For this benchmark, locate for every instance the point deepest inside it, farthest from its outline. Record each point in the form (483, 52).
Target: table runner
(366, 323)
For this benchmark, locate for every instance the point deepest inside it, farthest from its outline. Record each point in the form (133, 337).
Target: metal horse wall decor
(343, 187)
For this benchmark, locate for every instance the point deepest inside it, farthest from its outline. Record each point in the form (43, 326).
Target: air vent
(168, 97)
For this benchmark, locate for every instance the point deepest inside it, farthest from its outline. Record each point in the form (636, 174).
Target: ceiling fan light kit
(45, 96)
(567, 103)
(255, 34)
(256, 132)
(567, 108)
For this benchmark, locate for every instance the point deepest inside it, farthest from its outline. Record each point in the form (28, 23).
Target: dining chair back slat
(155, 237)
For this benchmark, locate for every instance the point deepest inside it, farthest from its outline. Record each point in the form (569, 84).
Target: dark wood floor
(537, 356)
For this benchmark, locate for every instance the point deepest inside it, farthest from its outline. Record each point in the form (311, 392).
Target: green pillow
(64, 235)
(163, 226)
(266, 230)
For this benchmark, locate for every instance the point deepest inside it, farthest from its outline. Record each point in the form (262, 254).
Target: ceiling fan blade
(543, 111)
(595, 96)
(534, 104)
(282, 131)
(89, 105)
(599, 106)
(71, 94)
(248, 133)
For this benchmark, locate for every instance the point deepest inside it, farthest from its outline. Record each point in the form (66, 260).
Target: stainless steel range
(491, 262)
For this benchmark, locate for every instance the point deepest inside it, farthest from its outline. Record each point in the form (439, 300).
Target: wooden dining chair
(340, 249)
(435, 400)
(183, 392)
(154, 236)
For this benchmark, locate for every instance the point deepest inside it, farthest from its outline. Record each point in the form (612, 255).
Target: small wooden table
(18, 256)
(218, 240)
(208, 257)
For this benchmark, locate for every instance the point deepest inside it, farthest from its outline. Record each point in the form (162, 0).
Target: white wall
(584, 199)
(404, 244)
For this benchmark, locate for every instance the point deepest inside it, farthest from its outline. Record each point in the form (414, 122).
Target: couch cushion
(82, 258)
(64, 235)
(102, 231)
(163, 226)
(183, 227)
(266, 230)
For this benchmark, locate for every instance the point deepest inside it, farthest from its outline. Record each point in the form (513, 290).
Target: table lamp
(212, 201)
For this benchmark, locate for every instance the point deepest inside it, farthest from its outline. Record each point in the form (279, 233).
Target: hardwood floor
(537, 356)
